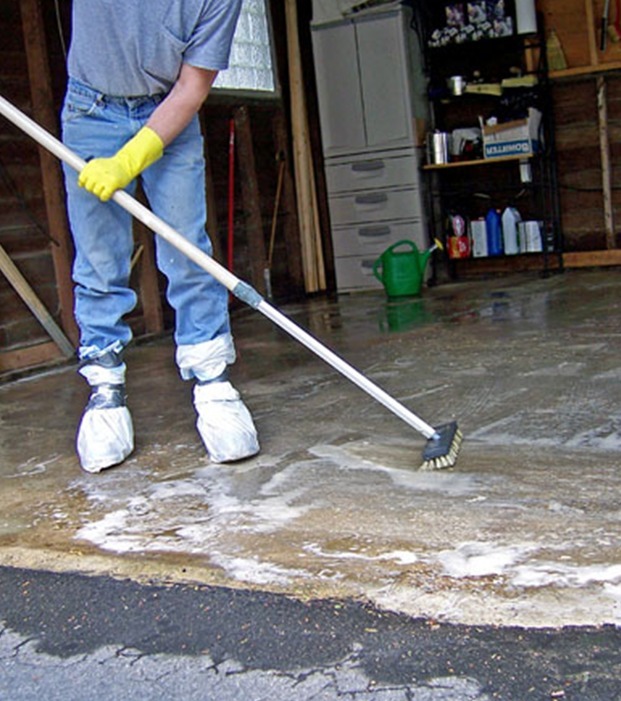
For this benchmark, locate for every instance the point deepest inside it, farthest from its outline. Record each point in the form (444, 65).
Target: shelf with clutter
(501, 209)
(467, 163)
(492, 142)
(489, 94)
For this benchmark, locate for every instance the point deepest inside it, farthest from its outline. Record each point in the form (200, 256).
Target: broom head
(441, 450)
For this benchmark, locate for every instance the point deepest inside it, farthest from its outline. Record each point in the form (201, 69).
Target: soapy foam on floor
(207, 510)
(400, 557)
(481, 559)
(361, 455)
(545, 574)
(520, 567)
(255, 571)
(34, 466)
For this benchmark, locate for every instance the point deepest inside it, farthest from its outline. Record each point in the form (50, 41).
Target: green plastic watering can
(401, 268)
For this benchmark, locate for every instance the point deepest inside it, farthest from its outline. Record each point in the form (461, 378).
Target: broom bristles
(441, 451)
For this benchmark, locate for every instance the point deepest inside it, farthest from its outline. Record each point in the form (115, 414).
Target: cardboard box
(518, 138)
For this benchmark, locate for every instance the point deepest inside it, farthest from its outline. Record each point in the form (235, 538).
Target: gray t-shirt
(136, 47)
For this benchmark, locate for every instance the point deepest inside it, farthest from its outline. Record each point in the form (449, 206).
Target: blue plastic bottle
(493, 225)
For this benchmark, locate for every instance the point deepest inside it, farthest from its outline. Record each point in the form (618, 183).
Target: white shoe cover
(224, 422)
(105, 438)
(205, 360)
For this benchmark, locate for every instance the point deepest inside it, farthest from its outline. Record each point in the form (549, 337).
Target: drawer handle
(372, 198)
(367, 166)
(372, 232)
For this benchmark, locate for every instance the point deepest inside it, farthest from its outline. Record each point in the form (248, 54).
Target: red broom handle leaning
(231, 197)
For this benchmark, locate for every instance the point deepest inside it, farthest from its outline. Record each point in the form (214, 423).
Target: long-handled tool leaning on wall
(443, 442)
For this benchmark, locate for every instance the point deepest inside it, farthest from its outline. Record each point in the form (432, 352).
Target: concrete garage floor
(525, 530)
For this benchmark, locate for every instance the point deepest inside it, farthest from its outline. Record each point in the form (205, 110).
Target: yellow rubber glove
(103, 176)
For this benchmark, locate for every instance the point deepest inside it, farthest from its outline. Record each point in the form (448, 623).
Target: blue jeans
(98, 125)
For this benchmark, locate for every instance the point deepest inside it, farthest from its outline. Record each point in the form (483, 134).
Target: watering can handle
(378, 263)
(376, 270)
(407, 242)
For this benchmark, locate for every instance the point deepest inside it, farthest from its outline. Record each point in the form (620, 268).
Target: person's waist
(77, 86)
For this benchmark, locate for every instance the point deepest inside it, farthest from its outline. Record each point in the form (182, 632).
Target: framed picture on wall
(477, 12)
(455, 15)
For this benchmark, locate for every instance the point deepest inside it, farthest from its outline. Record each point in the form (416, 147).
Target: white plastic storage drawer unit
(371, 91)
(372, 171)
(373, 239)
(370, 206)
(356, 248)
(355, 273)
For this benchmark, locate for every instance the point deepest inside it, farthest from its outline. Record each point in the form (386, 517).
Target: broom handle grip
(239, 288)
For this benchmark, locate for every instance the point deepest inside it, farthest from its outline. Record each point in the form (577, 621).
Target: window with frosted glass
(250, 65)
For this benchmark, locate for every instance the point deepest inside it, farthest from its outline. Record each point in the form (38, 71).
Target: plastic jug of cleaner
(510, 219)
(478, 234)
(493, 226)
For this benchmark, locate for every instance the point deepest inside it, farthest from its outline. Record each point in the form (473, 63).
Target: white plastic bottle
(478, 234)
(510, 220)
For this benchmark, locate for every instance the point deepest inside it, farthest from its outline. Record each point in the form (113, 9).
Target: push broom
(443, 442)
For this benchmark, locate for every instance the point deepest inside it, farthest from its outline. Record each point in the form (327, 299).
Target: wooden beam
(592, 259)
(604, 149)
(28, 296)
(290, 229)
(585, 70)
(532, 262)
(591, 28)
(53, 188)
(29, 357)
(308, 213)
(251, 198)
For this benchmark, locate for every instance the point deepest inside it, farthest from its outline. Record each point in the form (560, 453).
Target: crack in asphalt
(194, 637)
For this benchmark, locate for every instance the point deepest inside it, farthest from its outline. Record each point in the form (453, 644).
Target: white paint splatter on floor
(481, 559)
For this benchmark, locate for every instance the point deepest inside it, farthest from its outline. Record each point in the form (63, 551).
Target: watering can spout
(424, 257)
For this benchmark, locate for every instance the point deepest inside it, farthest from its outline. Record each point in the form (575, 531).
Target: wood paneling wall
(24, 228)
(587, 94)
(579, 165)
